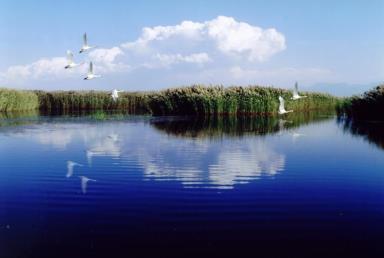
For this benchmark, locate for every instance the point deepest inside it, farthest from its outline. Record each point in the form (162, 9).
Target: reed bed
(192, 100)
(368, 106)
(77, 101)
(201, 100)
(17, 100)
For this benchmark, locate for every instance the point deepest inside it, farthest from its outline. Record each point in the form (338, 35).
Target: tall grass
(369, 106)
(76, 101)
(193, 100)
(17, 100)
(201, 100)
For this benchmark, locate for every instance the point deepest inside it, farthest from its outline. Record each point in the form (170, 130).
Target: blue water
(171, 187)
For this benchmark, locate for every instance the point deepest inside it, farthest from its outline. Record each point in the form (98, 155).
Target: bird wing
(85, 42)
(281, 106)
(296, 90)
(69, 57)
(90, 71)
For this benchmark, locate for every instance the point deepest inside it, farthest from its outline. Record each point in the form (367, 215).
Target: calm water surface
(306, 186)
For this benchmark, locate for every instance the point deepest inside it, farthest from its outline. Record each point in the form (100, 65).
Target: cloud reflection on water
(195, 162)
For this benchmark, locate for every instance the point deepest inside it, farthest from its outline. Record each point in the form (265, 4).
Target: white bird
(282, 107)
(70, 165)
(90, 74)
(70, 62)
(85, 46)
(296, 93)
(115, 94)
(84, 183)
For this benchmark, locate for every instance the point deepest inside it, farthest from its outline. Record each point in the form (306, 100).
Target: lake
(306, 185)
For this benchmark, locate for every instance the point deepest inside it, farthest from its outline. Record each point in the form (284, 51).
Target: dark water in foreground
(310, 186)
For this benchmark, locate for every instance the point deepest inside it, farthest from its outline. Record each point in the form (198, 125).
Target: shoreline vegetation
(368, 106)
(192, 100)
(17, 100)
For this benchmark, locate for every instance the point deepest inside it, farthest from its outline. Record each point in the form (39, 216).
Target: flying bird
(282, 110)
(70, 166)
(70, 62)
(296, 95)
(90, 74)
(115, 94)
(84, 183)
(85, 46)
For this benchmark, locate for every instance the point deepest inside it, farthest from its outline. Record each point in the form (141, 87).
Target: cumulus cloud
(241, 38)
(187, 29)
(43, 68)
(225, 34)
(198, 58)
(214, 51)
(105, 58)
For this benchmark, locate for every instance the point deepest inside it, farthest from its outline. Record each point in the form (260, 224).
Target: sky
(332, 46)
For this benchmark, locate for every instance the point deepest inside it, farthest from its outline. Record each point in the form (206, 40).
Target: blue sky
(321, 44)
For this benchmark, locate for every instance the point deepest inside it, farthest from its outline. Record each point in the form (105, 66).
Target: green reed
(201, 100)
(368, 106)
(17, 100)
(76, 101)
(192, 100)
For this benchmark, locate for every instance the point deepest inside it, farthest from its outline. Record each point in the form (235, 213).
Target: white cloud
(188, 29)
(241, 38)
(53, 68)
(43, 68)
(225, 34)
(213, 51)
(105, 59)
(197, 58)
(105, 55)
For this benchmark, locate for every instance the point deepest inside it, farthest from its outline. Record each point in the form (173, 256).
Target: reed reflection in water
(230, 186)
(203, 158)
